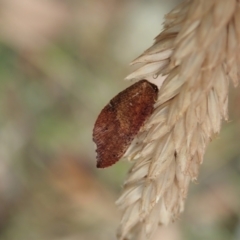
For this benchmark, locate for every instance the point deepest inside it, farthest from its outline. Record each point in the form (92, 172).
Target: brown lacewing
(120, 121)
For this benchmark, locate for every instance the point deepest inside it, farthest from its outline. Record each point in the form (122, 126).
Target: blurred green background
(60, 63)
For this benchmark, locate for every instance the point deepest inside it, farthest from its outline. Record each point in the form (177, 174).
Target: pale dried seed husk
(204, 40)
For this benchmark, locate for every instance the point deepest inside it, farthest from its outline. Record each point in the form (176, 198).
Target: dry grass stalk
(198, 52)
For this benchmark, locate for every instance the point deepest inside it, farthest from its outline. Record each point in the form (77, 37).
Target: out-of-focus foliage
(60, 63)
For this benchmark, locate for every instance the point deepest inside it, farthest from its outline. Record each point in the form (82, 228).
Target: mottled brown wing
(119, 121)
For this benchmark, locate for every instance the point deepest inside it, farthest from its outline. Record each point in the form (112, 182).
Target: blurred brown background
(60, 63)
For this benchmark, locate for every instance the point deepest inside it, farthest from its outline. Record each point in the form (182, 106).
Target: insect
(120, 121)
